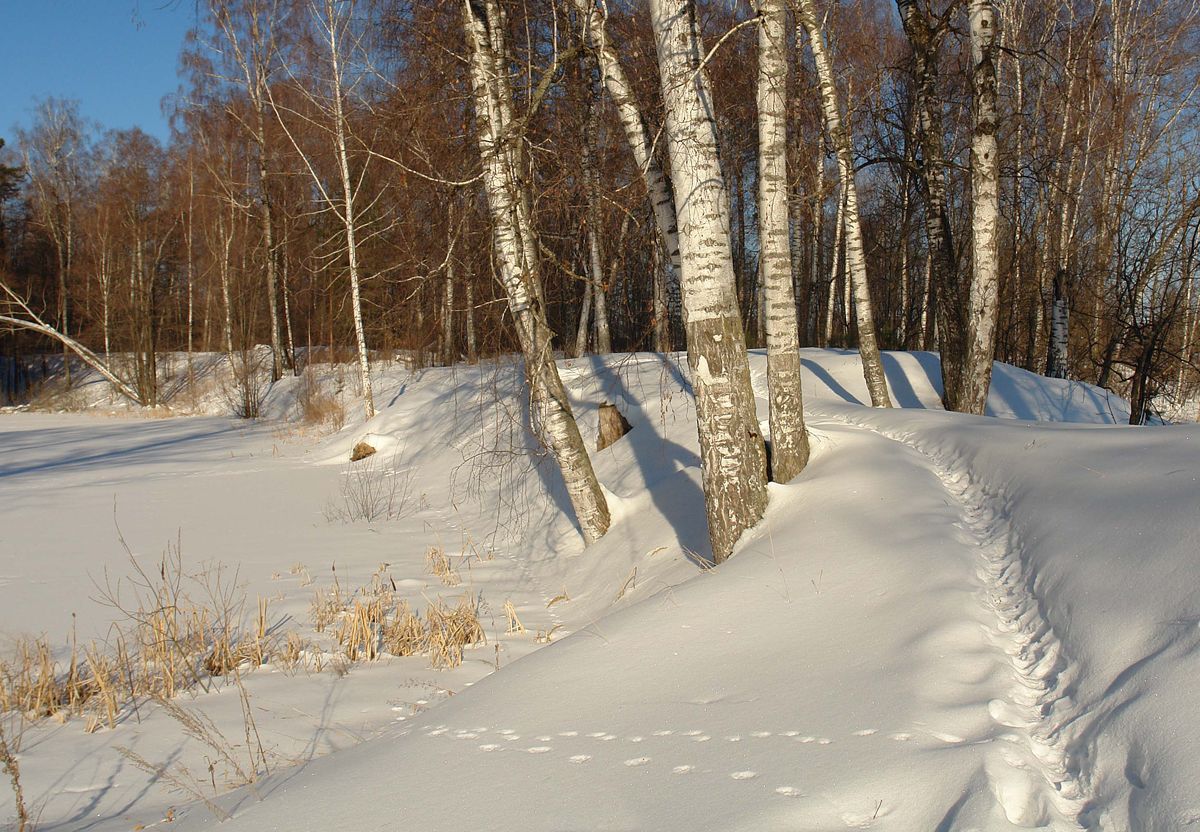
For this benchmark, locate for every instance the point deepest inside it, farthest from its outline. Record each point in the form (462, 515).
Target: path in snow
(1035, 775)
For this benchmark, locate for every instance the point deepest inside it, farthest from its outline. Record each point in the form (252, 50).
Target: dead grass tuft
(439, 564)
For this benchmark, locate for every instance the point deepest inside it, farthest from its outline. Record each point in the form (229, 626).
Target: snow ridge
(1037, 778)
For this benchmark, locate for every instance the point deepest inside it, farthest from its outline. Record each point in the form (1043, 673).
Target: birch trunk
(592, 186)
(349, 216)
(789, 440)
(985, 212)
(732, 454)
(658, 186)
(947, 314)
(513, 239)
(472, 351)
(856, 261)
(662, 327)
(448, 311)
(1056, 361)
(834, 300)
(585, 320)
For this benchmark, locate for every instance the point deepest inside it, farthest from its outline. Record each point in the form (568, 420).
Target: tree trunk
(856, 260)
(592, 186)
(585, 320)
(834, 299)
(658, 187)
(985, 212)
(513, 240)
(732, 454)
(789, 440)
(472, 351)
(948, 313)
(1057, 360)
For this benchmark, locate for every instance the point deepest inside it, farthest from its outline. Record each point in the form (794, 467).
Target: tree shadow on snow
(669, 470)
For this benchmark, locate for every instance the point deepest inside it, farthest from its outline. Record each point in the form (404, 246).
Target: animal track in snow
(760, 734)
(637, 761)
(733, 738)
(744, 775)
(568, 733)
(788, 791)
(489, 746)
(866, 732)
(683, 769)
(581, 758)
(539, 749)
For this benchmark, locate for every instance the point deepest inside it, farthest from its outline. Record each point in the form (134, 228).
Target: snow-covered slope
(945, 622)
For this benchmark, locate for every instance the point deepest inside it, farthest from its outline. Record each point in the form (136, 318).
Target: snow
(946, 622)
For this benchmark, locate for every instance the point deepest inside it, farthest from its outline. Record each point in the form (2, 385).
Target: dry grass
(8, 759)
(514, 622)
(372, 490)
(372, 622)
(183, 632)
(439, 564)
(453, 628)
(176, 632)
(317, 407)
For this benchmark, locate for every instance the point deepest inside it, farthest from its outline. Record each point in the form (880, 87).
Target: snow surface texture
(945, 623)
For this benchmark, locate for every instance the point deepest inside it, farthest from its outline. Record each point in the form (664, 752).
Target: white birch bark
(513, 240)
(448, 310)
(985, 212)
(834, 300)
(472, 351)
(789, 440)
(856, 261)
(732, 453)
(616, 82)
(585, 320)
(349, 216)
(595, 264)
(1056, 362)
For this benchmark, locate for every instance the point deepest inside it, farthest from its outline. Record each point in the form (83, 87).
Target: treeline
(324, 184)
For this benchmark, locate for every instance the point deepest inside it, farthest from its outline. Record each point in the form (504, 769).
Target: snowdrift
(946, 622)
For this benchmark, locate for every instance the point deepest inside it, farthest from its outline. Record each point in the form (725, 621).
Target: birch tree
(248, 30)
(924, 37)
(332, 21)
(789, 440)
(856, 259)
(732, 453)
(637, 135)
(516, 250)
(985, 211)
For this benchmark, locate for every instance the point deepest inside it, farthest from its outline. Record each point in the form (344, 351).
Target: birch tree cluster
(445, 180)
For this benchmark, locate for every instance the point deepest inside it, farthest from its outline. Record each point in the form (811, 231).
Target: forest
(323, 186)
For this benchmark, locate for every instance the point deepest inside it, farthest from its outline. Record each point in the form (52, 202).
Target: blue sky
(117, 57)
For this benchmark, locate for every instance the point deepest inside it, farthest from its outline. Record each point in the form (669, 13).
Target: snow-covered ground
(945, 623)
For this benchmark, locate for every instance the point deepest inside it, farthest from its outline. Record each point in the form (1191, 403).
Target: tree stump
(361, 451)
(613, 426)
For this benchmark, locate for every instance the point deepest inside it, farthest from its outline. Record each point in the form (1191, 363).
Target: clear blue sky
(117, 57)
